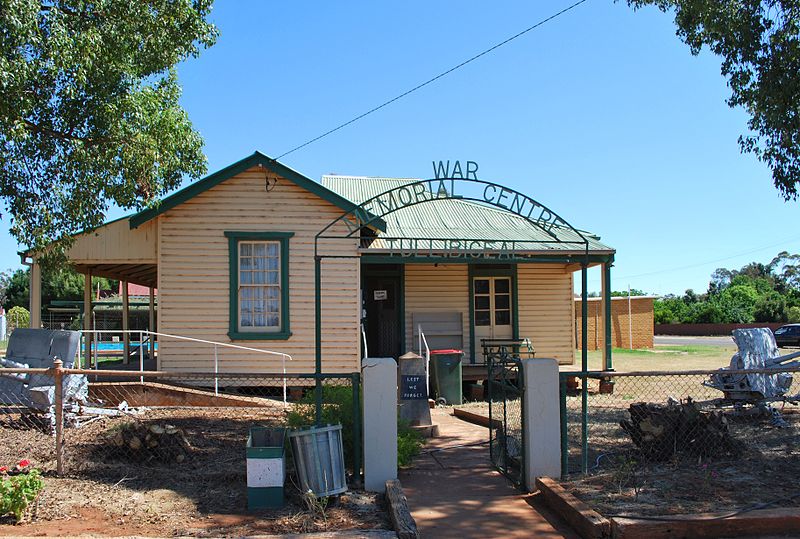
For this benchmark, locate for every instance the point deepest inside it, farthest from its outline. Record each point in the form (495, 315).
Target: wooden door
(493, 313)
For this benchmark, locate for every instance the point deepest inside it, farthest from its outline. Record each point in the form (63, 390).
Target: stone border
(477, 419)
(591, 524)
(583, 519)
(399, 513)
(753, 523)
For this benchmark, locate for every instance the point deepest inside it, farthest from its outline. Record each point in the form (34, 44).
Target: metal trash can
(266, 467)
(319, 459)
(447, 375)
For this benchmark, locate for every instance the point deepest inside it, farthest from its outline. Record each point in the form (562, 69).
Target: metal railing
(595, 406)
(107, 419)
(94, 349)
(364, 342)
(423, 347)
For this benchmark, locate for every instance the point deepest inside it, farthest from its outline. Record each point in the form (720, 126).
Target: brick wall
(639, 323)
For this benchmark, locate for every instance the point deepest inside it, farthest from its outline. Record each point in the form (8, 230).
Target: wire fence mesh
(670, 442)
(506, 439)
(168, 428)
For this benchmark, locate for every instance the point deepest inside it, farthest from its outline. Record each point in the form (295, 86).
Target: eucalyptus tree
(759, 43)
(89, 109)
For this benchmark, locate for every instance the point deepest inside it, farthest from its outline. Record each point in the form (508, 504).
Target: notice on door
(413, 388)
(380, 295)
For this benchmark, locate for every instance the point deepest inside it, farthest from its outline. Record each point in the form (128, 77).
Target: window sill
(256, 336)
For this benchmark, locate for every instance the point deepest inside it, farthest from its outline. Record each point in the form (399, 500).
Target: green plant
(625, 474)
(18, 317)
(409, 443)
(337, 408)
(18, 491)
(316, 505)
(708, 476)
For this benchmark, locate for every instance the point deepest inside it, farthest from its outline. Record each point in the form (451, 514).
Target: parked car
(788, 335)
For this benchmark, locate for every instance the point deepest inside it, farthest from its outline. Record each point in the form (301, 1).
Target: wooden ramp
(138, 394)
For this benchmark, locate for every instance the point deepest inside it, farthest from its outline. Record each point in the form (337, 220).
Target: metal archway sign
(360, 222)
(371, 211)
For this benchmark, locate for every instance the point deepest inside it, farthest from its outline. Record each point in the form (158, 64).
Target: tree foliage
(89, 111)
(759, 43)
(61, 284)
(755, 293)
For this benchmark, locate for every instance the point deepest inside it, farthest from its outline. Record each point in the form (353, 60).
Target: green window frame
(234, 239)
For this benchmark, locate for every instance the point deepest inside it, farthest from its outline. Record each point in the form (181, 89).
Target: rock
(135, 443)
(156, 442)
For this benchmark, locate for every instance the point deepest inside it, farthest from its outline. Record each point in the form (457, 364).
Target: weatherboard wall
(546, 310)
(194, 280)
(116, 243)
(436, 288)
(544, 302)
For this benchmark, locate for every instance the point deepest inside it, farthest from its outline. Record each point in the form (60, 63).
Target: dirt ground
(622, 482)
(103, 492)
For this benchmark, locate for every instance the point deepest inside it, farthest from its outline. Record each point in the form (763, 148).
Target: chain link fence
(506, 398)
(670, 442)
(169, 430)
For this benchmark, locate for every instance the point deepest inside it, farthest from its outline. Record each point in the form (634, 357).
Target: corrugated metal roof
(447, 220)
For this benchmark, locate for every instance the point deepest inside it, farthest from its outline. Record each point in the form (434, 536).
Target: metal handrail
(216, 344)
(364, 340)
(426, 356)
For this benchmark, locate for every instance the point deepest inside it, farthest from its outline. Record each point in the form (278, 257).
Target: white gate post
(380, 422)
(542, 420)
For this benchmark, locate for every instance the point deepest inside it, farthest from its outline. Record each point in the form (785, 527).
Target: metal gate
(506, 440)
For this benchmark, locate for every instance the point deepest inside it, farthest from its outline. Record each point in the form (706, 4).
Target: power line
(711, 261)
(437, 77)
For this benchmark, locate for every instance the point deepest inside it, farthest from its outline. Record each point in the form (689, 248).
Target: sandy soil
(105, 493)
(621, 481)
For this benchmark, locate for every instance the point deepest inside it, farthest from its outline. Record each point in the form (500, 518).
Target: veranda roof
(447, 220)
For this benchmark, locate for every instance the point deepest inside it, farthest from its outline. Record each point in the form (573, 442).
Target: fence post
(141, 356)
(216, 372)
(562, 395)
(540, 420)
(356, 381)
(380, 422)
(58, 376)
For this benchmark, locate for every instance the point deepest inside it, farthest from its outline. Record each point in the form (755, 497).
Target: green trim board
(402, 309)
(256, 159)
(471, 294)
(233, 267)
(395, 259)
(607, 309)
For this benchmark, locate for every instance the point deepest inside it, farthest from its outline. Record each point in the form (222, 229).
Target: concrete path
(458, 493)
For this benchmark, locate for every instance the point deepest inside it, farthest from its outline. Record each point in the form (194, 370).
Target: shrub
(17, 317)
(337, 408)
(17, 492)
(409, 443)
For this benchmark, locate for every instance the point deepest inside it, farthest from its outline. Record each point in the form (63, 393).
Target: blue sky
(601, 114)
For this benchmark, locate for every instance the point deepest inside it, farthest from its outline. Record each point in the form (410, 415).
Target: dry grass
(661, 358)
